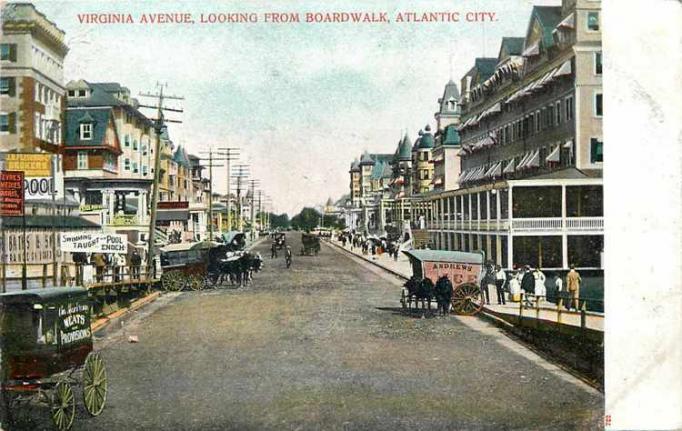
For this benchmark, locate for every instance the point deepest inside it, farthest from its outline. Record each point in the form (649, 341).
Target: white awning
(509, 168)
(568, 22)
(554, 156)
(564, 69)
(569, 144)
(534, 160)
(497, 170)
(532, 50)
(523, 161)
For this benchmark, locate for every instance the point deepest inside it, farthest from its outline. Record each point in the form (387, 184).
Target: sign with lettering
(38, 181)
(11, 193)
(32, 164)
(458, 273)
(93, 242)
(172, 205)
(74, 323)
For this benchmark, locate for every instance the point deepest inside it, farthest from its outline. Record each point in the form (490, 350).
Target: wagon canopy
(459, 266)
(445, 256)
(39, 296)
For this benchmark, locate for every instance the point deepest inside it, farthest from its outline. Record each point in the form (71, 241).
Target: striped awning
(555, 155)
(509, 168)
(568, 22)
(532, 50)
(564, 70)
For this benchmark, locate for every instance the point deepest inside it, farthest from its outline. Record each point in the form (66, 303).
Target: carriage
(47, 350)
(311, 244)
(190, 265)
(463, 269)
(280, 240)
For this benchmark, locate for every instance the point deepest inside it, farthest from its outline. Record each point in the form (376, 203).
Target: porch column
(563, 206)
(564, 251)
(510, 251)
(498, 250)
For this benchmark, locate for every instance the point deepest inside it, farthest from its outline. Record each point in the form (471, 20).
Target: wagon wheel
(172, 281)
(466, 299)
(94, 384)
(63, 406)
(195, 282)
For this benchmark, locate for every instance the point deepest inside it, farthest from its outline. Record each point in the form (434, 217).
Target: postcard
(225, 215)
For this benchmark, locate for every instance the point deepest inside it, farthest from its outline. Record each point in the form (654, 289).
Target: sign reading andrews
(93, 242)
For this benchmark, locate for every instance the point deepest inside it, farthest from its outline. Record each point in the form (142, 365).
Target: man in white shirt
(500, 279)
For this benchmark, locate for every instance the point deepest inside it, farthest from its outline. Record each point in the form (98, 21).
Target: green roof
(444, 256)
(405, 149)
(47, 221)
(426, 140)
(485, 67)
(52, 294)
(451, 135)
(99, 117)
(549, 17)
(180, 157)
(512, 45)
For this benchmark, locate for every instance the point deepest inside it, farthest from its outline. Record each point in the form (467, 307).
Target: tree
(306, 220)
(334, 221)
(279, 220)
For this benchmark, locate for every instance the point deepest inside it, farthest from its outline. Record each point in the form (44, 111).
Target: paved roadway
(322, 346)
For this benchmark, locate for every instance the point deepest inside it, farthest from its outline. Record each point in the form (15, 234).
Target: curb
(104, 321)
(392, 271)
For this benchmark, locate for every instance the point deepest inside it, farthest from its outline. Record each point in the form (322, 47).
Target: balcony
(540, 224)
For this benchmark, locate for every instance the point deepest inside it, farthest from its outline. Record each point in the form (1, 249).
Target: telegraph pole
(158, 129)
(210, 166)
(230, 153)
(252, 205)
(242, 172)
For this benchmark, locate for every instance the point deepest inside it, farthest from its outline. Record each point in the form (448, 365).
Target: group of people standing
(373, 246)
(106, 264)
(532, 282)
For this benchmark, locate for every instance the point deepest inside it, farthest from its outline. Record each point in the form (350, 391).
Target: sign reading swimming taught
(93, 242)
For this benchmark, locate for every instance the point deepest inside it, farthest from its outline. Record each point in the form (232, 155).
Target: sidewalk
(547, 311)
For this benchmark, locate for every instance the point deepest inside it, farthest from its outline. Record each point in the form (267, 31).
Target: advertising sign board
(93, 242)
(11, 193)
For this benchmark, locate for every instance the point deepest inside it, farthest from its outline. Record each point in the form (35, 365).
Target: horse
(443, 291)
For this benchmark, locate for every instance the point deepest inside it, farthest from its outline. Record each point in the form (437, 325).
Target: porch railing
(523, 224)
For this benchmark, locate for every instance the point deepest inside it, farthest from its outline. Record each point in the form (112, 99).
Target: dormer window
(86, 131)
(82, 93)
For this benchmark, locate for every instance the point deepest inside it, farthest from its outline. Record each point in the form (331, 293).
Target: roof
(100, 95)
(485, 67)
(450, 92)
(47, 221)
(426, 142)
(180, 157)
(568, 173)
(355, 166)
(512, 45)
(33, 296)
(99, 117)
(451, 135)
(387, 171)
(444, 256)
(548, 17)
(405, 149)
(233, 237)
(366, 159)
(185, 246)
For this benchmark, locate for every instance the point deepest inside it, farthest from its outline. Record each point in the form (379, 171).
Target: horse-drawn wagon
(46, 345)
(280, 240)
(192, 265)
(429, 267)
(311, 244)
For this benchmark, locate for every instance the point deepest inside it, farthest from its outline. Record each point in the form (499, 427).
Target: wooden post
(537, 310)
(44, 278)
(521, 298)
(583, 316)
(4, 277)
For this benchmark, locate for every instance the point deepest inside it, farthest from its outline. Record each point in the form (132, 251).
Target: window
(86, 131)
(4, 122)
(550, 115)
(569, 108)
(134, 144)
(7, 86)
(558, 113)
(8, 51)
(144, 170)
(126, 164)
(135, 170)
(596, 150)
(82, 160)
(81, 93)
(126, 140)
(144, 149)
(72, 93)
(593, 21)
(597, 63)
(598, 105)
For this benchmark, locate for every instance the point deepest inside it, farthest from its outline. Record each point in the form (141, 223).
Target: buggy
(462, 269)
(280, 240)
(46, 345)
(191, 265)
(311, 244)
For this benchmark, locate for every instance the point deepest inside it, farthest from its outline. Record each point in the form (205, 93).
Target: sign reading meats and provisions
(93, 242)
(11, 193)
(74, 323)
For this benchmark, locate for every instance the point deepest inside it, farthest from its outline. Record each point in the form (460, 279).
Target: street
(324, 346)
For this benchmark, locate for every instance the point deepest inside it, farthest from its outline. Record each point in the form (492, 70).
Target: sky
(301, 101)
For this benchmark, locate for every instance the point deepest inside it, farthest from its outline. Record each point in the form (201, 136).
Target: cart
(311, 244)
(280, 240)
(191, 265)
(46, 345)
(462, 268)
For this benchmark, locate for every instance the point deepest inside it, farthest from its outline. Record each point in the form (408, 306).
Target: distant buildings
(514, 168)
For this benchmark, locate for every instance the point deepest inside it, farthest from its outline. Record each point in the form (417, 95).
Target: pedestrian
(396, 251)
(515, 287)
(100, 266)
(288, 256)
(559, 287)
(135, 263)
(487, 281)
(500, 280)
(374, 249)
(528, 285)
(119, 263)
(540, 288)
(573, 282)
(273, 250)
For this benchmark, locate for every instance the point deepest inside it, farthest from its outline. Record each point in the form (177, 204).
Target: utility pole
(252, 205)
(242, 172)
(230, 153)
(210, 166)
(158, 129)
(260, 208)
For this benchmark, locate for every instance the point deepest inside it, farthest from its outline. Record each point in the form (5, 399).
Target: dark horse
(421, 290)
(443, 291)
